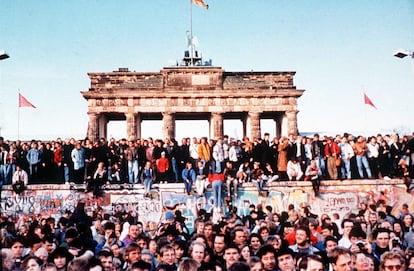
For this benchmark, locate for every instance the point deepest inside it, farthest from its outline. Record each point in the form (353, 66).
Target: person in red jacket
(163, 165)
(332, 152)
(57, 161)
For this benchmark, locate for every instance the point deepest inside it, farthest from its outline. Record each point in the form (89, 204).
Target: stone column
(278, 121)
(138, 123)
(168, 125)
(92, 127)
(102, 126)
(253, 125)
(292, 122)
(131, 126)
(216, 125)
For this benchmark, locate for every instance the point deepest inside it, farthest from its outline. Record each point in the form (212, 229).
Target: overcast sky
(339, 50)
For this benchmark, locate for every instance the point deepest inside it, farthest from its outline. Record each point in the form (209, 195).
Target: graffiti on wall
(39, 202)
(341, 199)
(145, 209)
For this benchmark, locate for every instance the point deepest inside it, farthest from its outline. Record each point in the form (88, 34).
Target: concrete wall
(339, 197)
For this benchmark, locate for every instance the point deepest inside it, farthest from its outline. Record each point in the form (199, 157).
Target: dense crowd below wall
(294, 239)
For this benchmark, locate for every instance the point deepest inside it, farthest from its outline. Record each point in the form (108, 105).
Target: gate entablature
(207, 90)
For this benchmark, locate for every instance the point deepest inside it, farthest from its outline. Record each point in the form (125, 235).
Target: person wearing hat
(285, 259)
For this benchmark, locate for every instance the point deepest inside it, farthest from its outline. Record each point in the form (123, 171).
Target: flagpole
(18, 116)
(191, 34)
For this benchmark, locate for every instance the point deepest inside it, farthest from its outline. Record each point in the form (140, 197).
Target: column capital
(254, 113)
(292, 111)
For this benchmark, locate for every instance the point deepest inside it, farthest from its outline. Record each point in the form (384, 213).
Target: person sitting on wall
(100, 177)
(148, 176)
(115, 173)
(20, 179)
(189, 177)
(201, 178)
(311, 174)
(230, 178)
(294, 171)
(243, 174)
(257, 176)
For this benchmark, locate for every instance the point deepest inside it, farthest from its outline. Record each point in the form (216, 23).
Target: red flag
(23, 102)
(368, 101)
(200, 3)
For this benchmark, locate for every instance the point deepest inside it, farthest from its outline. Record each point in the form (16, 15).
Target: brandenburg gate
(192, 93)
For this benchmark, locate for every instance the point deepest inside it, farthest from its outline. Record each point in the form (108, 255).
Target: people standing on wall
(3, 164)
(218, 156)
(163, 167)
(78, 159)
(58, 163)
(158, 149)
(173, 153)
(68, 146)
(204, 152)
(282, 161)
(34, 157)
(332, 153)
(361, 149)
(318, 153)
(131, 156)
(12, 158)
(396, 149)
(384, 159)
(372, 154)
(46, 165)
(347, 153)
(298, 151)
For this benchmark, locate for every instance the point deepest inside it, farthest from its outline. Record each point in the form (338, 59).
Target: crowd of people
(263, 240)
(198, 162)
(295, 239)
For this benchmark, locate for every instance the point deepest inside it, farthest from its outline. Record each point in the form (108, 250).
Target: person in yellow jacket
(204, 150)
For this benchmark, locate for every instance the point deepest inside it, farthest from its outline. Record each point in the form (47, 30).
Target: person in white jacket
(347, 152)
(294, 170)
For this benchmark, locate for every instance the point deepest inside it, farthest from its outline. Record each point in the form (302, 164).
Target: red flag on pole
(368, 101)
(23, 102)
(200, 3)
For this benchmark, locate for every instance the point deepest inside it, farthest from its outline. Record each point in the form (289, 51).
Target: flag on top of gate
(200, 3)
(368, 101)
(23, 102)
